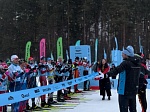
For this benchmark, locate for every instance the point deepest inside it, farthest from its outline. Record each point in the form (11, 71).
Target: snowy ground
(97, 105)
(94, 103)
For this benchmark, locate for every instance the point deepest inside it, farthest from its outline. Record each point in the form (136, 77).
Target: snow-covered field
(97, 105)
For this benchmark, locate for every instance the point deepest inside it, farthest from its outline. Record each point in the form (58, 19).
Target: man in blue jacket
(15, 73)
(129, 71)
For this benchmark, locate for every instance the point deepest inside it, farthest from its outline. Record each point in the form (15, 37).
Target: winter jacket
(129, 71)
(43, 69)
(104, 83)
(15, 72)
(3, 83)
(142, 80)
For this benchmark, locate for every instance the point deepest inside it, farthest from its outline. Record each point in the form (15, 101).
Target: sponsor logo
(69, 83)
(25, 95)
(85, 77)
(46, 89)
(89, 75)
(63, 84)
(57, 87)
(37, 91)
(10, 98)
(80, 79)
(78, 50)
(77, 47)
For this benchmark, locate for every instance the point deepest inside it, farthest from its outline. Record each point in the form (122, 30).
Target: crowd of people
(20, 75)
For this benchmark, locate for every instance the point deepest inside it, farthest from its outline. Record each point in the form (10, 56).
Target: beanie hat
(69, 61)
(30, 58)
(77, 58)
(13, 57)
(129, 51)
(48, 59)
(42, 58)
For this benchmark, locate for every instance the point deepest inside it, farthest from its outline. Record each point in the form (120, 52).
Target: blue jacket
(129, 71)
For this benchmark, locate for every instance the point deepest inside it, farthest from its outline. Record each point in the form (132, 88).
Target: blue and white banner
(12, 97)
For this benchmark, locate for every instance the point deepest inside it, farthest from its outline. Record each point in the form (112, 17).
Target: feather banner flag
(105, 55)
(67, 54)
(116, 43)
(27, 52)
(52, 57)
(140, 46)
(59, 48)
(96, 46)
(77, 43)
(42, 47)
(123, 48)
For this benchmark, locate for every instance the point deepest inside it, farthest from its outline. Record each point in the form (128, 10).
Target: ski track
(93, 103)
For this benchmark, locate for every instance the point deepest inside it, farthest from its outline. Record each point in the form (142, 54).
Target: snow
(98, 105)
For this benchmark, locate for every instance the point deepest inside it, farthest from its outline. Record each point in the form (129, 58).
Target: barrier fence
(12, 97)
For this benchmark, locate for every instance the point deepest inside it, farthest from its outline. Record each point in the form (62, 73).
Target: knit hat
(69, 61)
(42, 58)
(77, 58)
(129, 51)
(13, 57)
(48, 59)
(30, 58)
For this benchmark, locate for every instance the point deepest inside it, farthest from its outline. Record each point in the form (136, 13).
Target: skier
(65, 71)
(70, 73)
(15, 72)
(3, 84)
(51, 80)
(31, 81)
(76, 64)
(86, 68)
(59, 78)
(23, 84)
(42, 71)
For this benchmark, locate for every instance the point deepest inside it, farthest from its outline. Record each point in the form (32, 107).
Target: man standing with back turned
(129, 71)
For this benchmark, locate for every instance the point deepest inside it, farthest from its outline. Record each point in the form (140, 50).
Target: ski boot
(67, 97)
(51, 101)
(45, 105)
(35, 107)
(78, 91)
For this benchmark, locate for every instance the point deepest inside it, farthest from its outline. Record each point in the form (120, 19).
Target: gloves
(15, 73)
(43, 71)
(100, 76)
